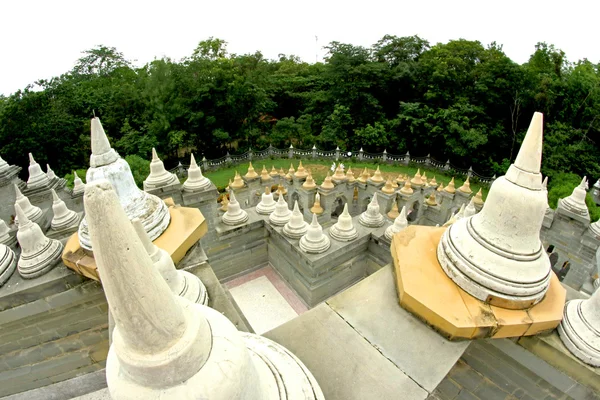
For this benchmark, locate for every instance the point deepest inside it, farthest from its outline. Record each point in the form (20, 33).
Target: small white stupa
(267, 204)
(32, 212)
(159, 177)
(38, 253)
(470, 209)
(8, 263)
(50, 173)
(372, 217)
(282, 213)
(580, 329)
(314, 241)
(78, 185)
(344, 230)
(296, 226)
(234, 214)
(399, 224)
(195, 180)
(63, 218)
(37, 177)
(575, 203)
(181, 283)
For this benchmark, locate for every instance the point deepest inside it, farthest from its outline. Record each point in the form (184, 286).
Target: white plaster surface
(262, 304)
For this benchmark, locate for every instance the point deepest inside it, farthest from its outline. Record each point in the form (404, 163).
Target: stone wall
(573, 241)
(51, 329)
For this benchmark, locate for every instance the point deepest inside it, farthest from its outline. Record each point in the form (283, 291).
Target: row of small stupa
(38, 253)
(390, 186)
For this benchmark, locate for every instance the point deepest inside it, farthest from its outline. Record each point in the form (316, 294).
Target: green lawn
(319, 169)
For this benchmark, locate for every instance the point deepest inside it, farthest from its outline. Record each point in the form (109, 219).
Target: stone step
(53, 361)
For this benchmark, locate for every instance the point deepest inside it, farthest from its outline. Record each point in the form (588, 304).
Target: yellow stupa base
(426, 291)
(187, 226)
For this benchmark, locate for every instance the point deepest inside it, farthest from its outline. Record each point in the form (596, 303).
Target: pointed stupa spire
(63, 218)
(372, 217)
(301, 172)
(339, 174)
(195, 181)
(264, 174)
(37, 177)
(441, 187)
(314, 241)
(316, 208)
(388, 188)
(529, 158)
(267, 204)
(416, 180)
(237, 183)
(251, 174)
(273, 172)
(364, 177)
(350, 175)
(282, 213)
(466, 187)
(32, 212)
(407, 189)
(78, 185)
(394, 212)
(431, 200)
(478, 198)
(377, 177)
(102, 153)
(399, 224)
(38, 253)
(159, 177)
(181, 283)
(234, 214)
(505, 236)
(309, 183)
(327, 183)
(3, 165)
(344, 230)
(50, 173)
(296, 226)
(451, 188)
(470, 209)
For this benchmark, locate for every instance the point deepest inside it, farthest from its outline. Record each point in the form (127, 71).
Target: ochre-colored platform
(187, 226)
(425, 290)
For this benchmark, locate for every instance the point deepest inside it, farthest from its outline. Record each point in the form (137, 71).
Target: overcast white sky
(41, 39)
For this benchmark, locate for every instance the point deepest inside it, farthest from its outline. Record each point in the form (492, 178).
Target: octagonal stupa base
(425, 290)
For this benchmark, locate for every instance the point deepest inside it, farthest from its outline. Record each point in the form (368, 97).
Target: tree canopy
(460, 100)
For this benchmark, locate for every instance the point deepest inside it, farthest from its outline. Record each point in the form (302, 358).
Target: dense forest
(459, 100)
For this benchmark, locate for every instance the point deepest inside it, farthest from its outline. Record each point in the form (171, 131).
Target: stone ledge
(426, 291)
(186, 228)
(552, 350)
